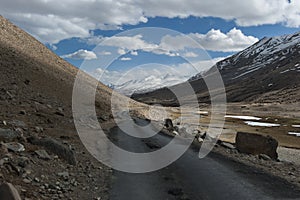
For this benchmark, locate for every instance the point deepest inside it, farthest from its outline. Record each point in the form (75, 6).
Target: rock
(42, 154)
(27, 181)
(55, 147)
(7, 135)
(23, 112)
(27, 82)
(9, 192)
(200, 140)
(14, 147)
(256, 144)
(175, 133)
(169, 125)
(64, 175)
(23, 161)
(264, 157)
(38, 129)
(59, 113)
(227, 145)
(17, 123)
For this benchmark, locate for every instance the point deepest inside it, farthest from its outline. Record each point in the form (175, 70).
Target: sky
(113, 41)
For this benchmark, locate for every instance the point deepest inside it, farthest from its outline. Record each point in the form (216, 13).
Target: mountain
(146, 84)
(268, 71)
(36, 89)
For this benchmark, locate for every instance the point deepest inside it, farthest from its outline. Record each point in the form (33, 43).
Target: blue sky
(74, 30)
(186, 26)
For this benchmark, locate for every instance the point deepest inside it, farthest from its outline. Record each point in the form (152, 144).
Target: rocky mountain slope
(267, 71)
(41, 153)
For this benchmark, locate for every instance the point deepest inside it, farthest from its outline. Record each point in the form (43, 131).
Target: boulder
(55, 147)
(256, 144)
(169, 125)
(9, 192)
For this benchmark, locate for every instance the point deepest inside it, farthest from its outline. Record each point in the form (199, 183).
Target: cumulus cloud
(54, 20)
(125, 59)
(134, 43)
(181, 45)
(81, 54)
(215, 40)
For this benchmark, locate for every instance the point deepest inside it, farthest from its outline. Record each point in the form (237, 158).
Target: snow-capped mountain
(149, 83)
(267, 71)
(275, 50)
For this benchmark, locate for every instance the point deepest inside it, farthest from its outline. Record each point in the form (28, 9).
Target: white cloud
(233, 41)
(214, 40)
(121, 51)
(105, 53)
(81, 54)
(53, 20)
(134, 43)
(125, 59)
(134, 53)
(190, 55)
(128, 43)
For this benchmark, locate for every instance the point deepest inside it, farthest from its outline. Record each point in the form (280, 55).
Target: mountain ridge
(256, 74)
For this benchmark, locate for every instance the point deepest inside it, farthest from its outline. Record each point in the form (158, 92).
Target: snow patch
(261, 124)
(295, 134)
(242, 117)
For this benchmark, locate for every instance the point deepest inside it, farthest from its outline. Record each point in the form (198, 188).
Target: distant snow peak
(265, 52)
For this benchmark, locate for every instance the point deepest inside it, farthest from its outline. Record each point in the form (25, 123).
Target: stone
(38, 129)
(55, 147)
(14, 147)
(169, 125)
(23, 161)
(27, 181)
(9, 192)
(23, 112)
(59, 113)
(264, 157)
(17, 123)
(7, 135)
(42, 154)
(256, 144)
(63, 174)
(227, 145)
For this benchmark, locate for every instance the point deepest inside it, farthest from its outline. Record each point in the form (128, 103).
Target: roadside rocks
(227, 145)
(8, 135)
(42, 154)
(55, 147)
(256, 144)
(9, 192)
(14, 147)
(169, 125)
